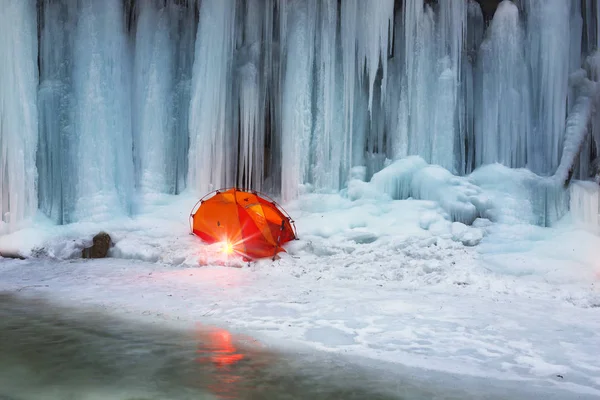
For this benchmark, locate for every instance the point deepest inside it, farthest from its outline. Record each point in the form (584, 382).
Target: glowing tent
(245, 222)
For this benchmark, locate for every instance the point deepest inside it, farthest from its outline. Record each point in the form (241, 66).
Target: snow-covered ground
(389, 280)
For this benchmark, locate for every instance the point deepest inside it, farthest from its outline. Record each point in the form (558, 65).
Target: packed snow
(378, 274)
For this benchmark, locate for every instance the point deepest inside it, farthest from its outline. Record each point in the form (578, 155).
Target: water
(52, 353)
(48, 352)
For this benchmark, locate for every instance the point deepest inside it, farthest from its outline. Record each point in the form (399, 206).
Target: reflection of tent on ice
(245, 222)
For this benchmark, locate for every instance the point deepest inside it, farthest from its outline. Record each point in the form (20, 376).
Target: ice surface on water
(289, 96)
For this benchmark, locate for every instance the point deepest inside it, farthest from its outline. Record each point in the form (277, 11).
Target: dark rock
(8, 254)
(101, 243)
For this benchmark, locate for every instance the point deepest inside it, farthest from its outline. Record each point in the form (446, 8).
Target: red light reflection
(235, 366)
(217, 347)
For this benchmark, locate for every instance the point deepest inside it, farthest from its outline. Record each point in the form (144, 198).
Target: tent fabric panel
(257, 213)
(219, 219)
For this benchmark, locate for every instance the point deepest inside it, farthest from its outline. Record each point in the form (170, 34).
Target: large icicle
(470, 86)
(503, 121)
(375, 23)
(213, 151)
(153, 80)
(18, 114)
(328, 132)
(252, 93)
(183, 28)
(452, 20)
(101, 160)
(297, 96)
(419, 67)
(548, 25)
(57, 25)
(348, 16)
(588, 93)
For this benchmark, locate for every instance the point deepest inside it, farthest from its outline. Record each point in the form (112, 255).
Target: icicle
(101, 160)
(348, 15)
(577, 124)
(465, 150)
(297, 100)
(548, 23)
(18, 114)
(375, 23)
(395, 109)
(54, 106)
(451, 32)
(503, 121)
(153, 79)
(419, 67)
(252, 95)
(213, 151)
(328, 131)
(183, 28)
(591, 24)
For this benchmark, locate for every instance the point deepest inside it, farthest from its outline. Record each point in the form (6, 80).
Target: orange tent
(247, 223)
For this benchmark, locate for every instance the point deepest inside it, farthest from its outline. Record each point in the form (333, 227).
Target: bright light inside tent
(227, 248)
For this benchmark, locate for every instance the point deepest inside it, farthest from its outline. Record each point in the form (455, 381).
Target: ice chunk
(396, 179)
(469, 236)
(452, 193)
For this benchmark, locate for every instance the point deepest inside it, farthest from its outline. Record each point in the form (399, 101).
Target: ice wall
(18, 112)
(503, 117)
(162, 67)
(55, 103)
(101, 167)
(213, 150)
(153, 83)
(138, 98)
(548, 40)
(297, 95)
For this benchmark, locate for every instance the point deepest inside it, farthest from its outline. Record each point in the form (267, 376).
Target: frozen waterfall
(105, 105)
(18, 112)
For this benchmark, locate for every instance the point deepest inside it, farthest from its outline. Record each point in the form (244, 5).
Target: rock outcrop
(99, 249)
